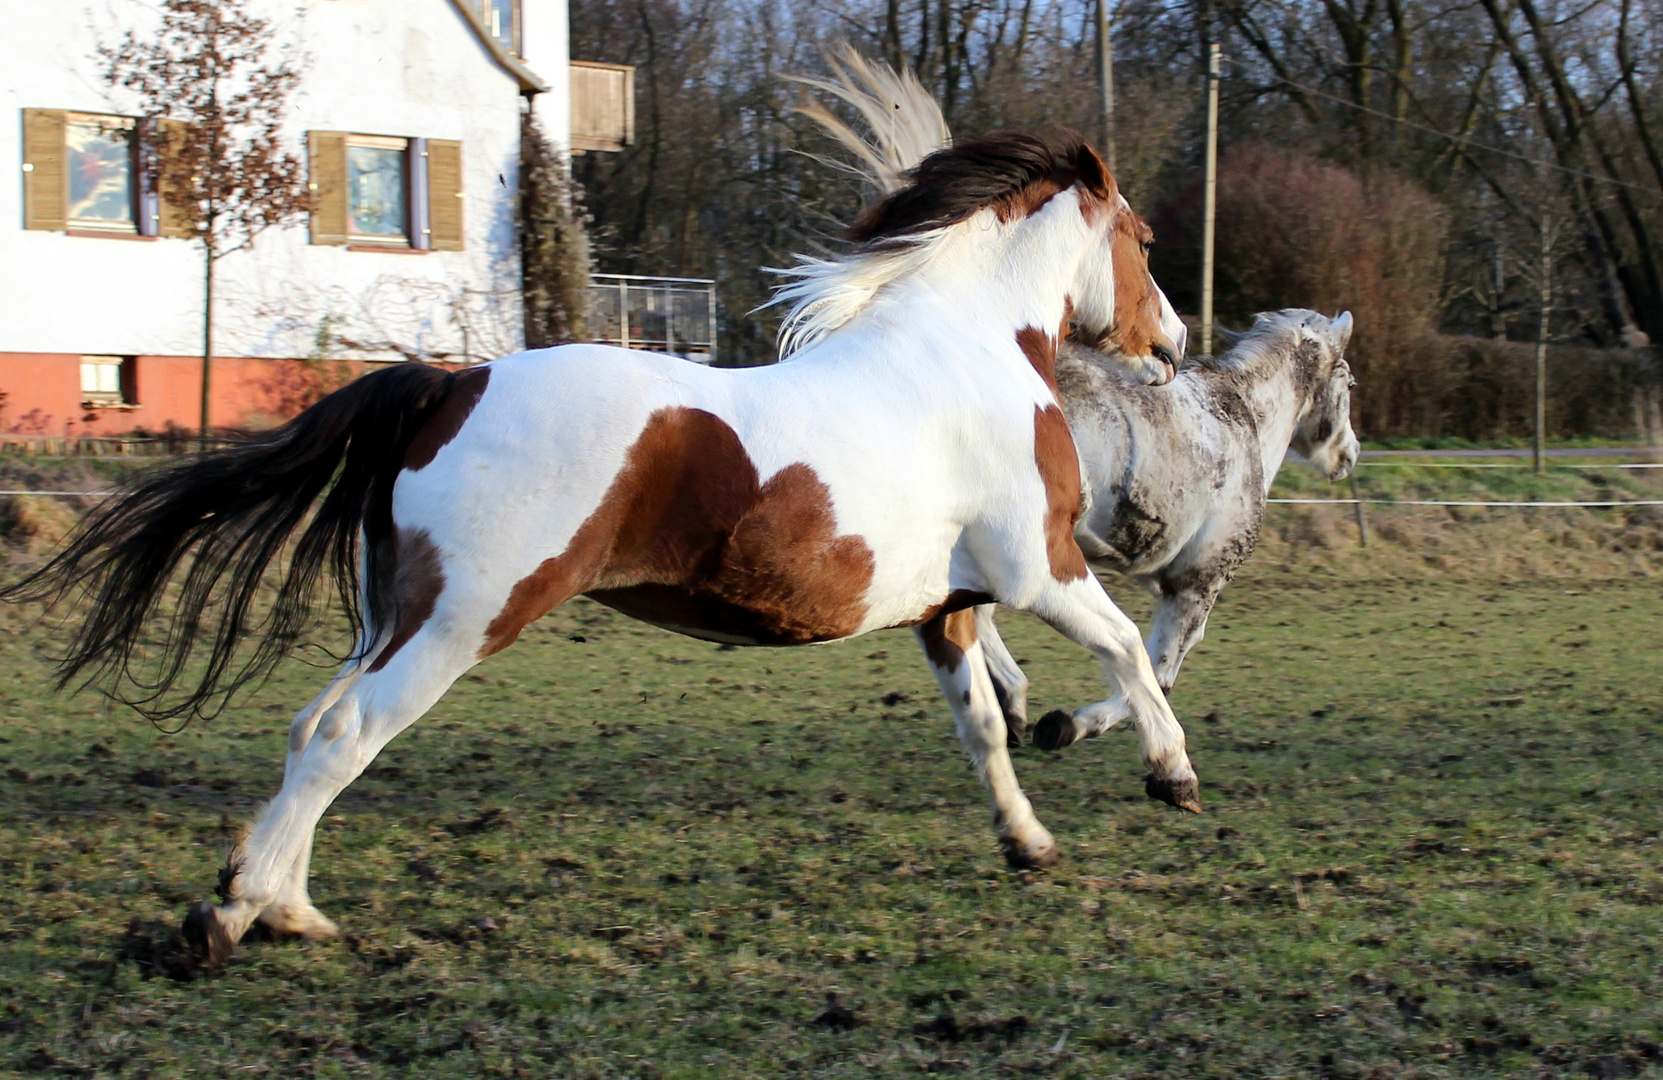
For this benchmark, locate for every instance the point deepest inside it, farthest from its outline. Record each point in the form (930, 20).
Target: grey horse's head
(1323, 434)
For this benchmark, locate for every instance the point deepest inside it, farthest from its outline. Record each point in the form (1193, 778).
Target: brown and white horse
(908, 462)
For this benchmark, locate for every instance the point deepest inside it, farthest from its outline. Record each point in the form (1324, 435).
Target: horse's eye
(1147, 244)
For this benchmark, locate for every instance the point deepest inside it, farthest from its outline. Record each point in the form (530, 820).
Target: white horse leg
(292, 913)
(1009, 683)
(960, 666)
(1083, 612)
(368, 714)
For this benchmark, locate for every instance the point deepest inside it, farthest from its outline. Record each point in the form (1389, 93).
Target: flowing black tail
(228, 514)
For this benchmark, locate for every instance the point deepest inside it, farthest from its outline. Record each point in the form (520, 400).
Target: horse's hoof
(205, 936)
(1014, 730)
(306, 923)
(1021, 858)
(1184, 794)
(1055, 730)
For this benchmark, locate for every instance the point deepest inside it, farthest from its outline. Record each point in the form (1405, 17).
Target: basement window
(109, 382)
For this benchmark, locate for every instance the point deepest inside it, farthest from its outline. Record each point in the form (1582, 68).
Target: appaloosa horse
(1177, 477)
(910, 461)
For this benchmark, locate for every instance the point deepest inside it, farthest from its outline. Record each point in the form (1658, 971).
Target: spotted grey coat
(1176, 479)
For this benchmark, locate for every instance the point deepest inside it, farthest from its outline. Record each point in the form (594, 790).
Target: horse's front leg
(1082, 611)
(960, 666)
(1180, 624)
(1009, 683)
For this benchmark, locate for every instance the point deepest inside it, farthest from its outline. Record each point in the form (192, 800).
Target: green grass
(1431, 849)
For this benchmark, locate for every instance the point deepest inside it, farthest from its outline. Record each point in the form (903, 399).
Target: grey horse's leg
(1181, 611)
(1010, 685)
(1180, 624)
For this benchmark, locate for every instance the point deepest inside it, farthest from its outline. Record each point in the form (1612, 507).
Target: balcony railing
(659, 314)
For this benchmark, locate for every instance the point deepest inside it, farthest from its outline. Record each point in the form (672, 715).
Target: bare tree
(212, 87)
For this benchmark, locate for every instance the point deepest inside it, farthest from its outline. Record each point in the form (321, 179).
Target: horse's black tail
(227, 515)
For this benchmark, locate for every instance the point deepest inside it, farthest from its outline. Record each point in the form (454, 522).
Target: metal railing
(659, 314)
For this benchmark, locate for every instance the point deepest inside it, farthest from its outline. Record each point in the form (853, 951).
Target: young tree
(212, 89)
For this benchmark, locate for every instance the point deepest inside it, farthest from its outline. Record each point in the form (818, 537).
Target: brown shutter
(326, 152)
(171, 220)
(444, 187)
(44, 174)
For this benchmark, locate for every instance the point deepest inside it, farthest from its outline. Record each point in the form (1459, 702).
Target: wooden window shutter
(45, 182)
(171, 220)
(326, 154)
(444, 187)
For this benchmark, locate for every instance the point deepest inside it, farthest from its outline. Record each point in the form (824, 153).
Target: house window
(378, 190)
(374, 192)
(502, 22)
(99, 150)
(109, 381)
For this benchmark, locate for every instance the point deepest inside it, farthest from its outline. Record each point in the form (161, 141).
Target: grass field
(1431, 849)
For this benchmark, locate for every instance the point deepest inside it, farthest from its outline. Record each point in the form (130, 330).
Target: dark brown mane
(1011, 172)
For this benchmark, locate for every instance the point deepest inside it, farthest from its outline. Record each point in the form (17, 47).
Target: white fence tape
(1463, 502)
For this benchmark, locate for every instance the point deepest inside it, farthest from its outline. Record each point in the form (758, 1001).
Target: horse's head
(925, 180)
(1323, 433)
(1133, 322)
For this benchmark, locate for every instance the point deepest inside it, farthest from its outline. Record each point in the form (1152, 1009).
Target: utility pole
(1542, 343)
(1209, 199)
(1105, 80)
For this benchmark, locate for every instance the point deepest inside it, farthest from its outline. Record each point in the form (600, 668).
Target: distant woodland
(1438, 167)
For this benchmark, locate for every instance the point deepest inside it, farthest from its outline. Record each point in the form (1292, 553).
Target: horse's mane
(1009, 172)
(905, 122)
(1259, 343)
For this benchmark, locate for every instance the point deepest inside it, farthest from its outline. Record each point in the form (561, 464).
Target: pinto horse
(910, 461)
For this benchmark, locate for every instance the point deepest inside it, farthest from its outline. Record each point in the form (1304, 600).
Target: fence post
(1362, 524)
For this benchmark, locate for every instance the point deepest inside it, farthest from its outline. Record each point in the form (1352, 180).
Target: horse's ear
(1341, 329)
(1095, 175)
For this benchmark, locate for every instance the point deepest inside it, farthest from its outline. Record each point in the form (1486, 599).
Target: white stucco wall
(383, 67)
(546, 41)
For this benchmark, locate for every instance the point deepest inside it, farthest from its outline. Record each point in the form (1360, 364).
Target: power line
(1466, 142)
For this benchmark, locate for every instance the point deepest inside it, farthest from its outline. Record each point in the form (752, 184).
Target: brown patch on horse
(957, 600)
(466, 388)
(1041, 350)
(418, 579)
(687, 537)
(1059, 468)
(948, 637)
(1136, 328)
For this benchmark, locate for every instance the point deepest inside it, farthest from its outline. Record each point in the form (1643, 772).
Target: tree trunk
(207, 330)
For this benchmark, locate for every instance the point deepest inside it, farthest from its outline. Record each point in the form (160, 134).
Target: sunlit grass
(1431, 849)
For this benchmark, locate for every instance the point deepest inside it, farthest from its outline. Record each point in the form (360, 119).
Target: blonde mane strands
(906, 123)
(926, 185)
(826, 293)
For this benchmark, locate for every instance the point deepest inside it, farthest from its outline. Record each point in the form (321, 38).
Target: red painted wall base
(42, 393)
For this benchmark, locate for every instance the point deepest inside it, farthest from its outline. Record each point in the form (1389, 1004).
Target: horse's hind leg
(374, 708)
(292, 913)
(960, 666)
(1009, 683)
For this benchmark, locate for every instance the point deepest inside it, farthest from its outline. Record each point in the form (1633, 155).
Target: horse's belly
(729, 620)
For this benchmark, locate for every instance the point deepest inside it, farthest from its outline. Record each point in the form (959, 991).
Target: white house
(409, 117)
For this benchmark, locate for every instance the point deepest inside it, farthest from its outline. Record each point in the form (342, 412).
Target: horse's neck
(988, 280)
(1275, 399)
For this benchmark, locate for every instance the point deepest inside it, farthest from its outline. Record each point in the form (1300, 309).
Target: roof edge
(529, 80)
